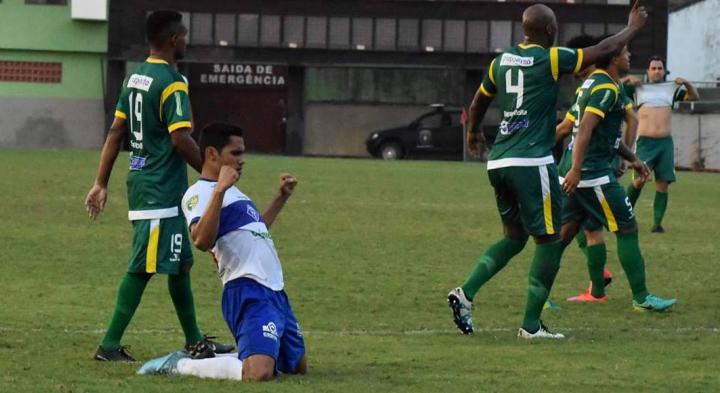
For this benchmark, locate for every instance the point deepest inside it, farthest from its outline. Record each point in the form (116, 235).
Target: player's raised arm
(205, 231)
(287, 186)
(692, 93)
(97, 196)
(636, 20)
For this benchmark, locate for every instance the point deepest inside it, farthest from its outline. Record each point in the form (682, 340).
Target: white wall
(693, 44)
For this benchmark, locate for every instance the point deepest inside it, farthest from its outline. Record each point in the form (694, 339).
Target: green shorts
(659, 155)
(160, 246)
(600, 206)
(529, 196)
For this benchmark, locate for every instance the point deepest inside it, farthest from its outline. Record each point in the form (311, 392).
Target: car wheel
(390, 151)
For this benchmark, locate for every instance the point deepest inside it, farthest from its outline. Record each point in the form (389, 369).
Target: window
(500, 35)
(202, 29)
(225, 29)
(293, 31)
(454, 36)
(339, 33)
(46, 2)
(269, 30)
(408, 34)
(316, 32)
(431, 34)
(362, 32)
(477, 36)
(247, 29)
(385, 33)
(30, 71)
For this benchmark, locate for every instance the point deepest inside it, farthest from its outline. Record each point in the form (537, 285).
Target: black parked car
(438, 132)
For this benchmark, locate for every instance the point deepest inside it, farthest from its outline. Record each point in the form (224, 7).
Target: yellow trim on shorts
(120, 115)
(594, 110)
(579, 61)
(554, 63)
(152, 247)
(176, 126)
(547, 210)
(485, 92)
(609, 216)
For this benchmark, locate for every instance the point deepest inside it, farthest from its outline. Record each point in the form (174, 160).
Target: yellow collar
(600, 71)
(526, 46)
(155, 61)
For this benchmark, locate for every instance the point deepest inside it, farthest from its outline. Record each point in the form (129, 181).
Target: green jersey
(154, 102)
(525, 80)
(602, 96)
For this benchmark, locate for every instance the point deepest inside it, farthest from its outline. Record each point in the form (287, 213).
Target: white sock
(220, 367)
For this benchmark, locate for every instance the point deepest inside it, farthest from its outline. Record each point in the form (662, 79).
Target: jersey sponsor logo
(140, 82)
(517, 112)
(137, 163)
(136, 145)
(192, 202)
(270, 331)
(253, 213)
(514, 60)
(509, 128)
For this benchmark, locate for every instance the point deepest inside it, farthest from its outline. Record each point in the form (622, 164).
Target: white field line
(369, 333)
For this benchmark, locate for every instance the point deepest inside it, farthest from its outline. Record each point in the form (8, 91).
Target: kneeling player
(225, 221)
(594, 194)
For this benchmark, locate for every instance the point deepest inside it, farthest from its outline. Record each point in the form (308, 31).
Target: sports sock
(492, 261)
(633, 193)
(628, 249)
(596, 259)
(659, 207)
(182, 297)
(582, 242)
(544, 268)
(129, 294)
(220, 367)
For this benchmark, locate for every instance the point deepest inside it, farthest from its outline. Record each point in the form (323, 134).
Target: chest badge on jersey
(253, 213)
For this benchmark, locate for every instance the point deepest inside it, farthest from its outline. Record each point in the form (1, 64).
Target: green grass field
(370, 250)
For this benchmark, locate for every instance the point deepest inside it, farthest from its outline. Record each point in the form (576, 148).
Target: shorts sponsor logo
(137, 163)
(514, 60)
(270, 331)
(192, 202)
(509, 128)
(140, 82)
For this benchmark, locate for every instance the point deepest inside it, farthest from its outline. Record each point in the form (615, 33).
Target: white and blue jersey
(244, 247)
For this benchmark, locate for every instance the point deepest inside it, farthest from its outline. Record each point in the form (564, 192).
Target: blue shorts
(263, 323)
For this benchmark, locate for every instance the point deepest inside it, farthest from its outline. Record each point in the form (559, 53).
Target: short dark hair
(656, 58)
(218, 136)
(159, 25)
(583, 41)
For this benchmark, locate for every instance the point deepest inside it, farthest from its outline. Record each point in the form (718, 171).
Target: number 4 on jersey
(515, 89)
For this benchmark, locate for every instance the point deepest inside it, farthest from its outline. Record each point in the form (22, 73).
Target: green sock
(129, 294)
(582, 242)
(596, 259)
(632, 263)
(492, 261)
(182, 297)
(633, 193)
(544, 268)
(659, 206)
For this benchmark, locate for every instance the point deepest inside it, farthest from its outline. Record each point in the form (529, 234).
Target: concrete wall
(693, 47)
(51, 122)
(341, 129)
(697, 140)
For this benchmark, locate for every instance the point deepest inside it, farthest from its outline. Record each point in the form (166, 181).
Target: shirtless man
(655, 100)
